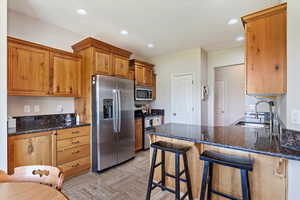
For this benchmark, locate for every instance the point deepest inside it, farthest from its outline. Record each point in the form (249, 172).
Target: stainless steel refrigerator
(113, 121)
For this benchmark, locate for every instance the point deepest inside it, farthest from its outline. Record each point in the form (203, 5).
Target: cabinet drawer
(73, 132)
(72, 142)
(68, 155)
(75, 167)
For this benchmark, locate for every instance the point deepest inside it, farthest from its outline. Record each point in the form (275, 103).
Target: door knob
(174, 114)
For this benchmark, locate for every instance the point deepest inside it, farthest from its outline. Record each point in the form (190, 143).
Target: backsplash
(43, 120)
(32, 106)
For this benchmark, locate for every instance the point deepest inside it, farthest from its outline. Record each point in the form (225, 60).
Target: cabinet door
(103, 62)
(148, 73)
(138, 134)
(32, 149)
(121, 66)
(28, 70)
(139, 75)
(266, 55)
(66, 75)
(154, 87)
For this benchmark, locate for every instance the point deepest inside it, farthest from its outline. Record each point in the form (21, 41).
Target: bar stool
(178, 150)
(244, 164)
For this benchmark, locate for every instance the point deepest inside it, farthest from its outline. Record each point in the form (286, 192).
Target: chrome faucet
(270, 103)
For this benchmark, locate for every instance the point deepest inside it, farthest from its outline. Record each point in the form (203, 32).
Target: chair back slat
(44, 174)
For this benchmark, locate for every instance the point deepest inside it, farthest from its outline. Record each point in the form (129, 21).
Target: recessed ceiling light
(81, 12)
(124, 32)
(232, 21)
(241, 38)
(150, 45)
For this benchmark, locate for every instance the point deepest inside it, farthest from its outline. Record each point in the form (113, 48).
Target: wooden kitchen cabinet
(148, 76)
(143, 73)
(68, 149)
(31, 149)
(28, 69)
(138, 134)
(121, 66)
(266, 59)
(38, 70)
(268, 180)
(103, 62)
(154, 86)
(98, 58)
(139, 75)
(66, 75)
(73, 150)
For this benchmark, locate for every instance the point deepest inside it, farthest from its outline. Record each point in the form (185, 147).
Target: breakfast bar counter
(268, 180)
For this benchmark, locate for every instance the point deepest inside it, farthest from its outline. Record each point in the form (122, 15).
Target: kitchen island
(268, 180)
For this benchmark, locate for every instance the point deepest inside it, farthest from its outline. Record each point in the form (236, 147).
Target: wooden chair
(43, 174)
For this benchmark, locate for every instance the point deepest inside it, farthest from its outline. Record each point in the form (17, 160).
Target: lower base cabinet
(138, 134)
(68, 149)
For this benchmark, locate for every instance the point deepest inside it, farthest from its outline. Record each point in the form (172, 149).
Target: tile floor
(125, 182)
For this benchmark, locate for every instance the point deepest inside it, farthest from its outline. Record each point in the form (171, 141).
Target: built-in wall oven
(143, 93)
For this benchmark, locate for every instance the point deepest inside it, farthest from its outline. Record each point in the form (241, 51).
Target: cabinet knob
(277, 67)
(57, 88)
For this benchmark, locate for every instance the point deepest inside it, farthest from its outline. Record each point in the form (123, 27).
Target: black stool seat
(210, 158)
(227, 160)
(178, 150)
(171, 147)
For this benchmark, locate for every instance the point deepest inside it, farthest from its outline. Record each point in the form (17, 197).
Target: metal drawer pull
(77, 142)
(75, 152)
(75, 132)
(77, 165)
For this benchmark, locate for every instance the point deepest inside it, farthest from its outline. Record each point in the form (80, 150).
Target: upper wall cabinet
(266, 68)
(66, 74)
(143, 73)
(37, 70)
(28, 69)
(103, 58)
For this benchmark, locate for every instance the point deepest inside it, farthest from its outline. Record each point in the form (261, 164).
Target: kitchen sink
(252, 124)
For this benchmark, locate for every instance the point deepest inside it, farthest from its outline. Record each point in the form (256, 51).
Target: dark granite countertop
(256, 140)
(35, 128)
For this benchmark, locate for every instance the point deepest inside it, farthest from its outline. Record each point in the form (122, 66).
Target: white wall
(187, 61)
(34, 30)
(220, 58)
(48, 105)
(3, 81)
(293, 94)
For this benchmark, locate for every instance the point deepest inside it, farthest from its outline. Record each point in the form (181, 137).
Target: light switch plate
(27, 109)
(36, 108)
(59, 108)
(295, 117)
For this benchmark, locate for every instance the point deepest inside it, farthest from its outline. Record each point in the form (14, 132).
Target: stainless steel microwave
(143, 93)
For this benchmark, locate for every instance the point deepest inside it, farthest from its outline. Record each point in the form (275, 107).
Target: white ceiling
(171, 25)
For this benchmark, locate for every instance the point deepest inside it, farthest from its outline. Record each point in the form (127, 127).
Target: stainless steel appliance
(150, 122)
(113, 121)
(143, 93)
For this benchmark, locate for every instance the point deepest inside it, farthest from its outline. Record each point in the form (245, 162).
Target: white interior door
(182, 98)
(219, 103)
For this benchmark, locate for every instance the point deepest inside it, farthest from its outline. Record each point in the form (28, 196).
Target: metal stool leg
(188, 178)
(204, 180)
(163, 169)
(151, 174)
(245, 184)
(210, 177)
(177, 175)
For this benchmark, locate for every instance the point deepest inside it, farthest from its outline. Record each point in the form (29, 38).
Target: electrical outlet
(27, 109)
(295, 117)
(36, 108)
(59, 108)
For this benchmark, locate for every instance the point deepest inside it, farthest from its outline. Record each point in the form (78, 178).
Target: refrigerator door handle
(119, 111)
(115, 117)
